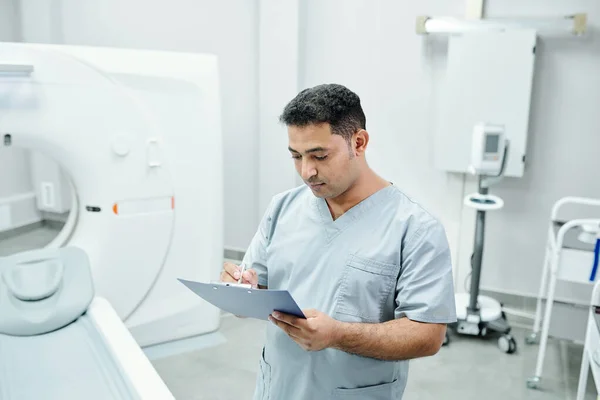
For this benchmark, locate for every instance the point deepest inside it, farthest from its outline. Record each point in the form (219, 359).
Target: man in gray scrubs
(370, 267)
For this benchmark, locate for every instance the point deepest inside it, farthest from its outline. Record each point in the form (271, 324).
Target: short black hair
(329, 103)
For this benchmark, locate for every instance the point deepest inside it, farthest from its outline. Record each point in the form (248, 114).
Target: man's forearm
(399, 339)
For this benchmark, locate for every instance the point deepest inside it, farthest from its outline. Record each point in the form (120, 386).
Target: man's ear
(360, 141)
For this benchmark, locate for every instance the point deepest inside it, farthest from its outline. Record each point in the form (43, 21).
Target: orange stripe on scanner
(145, 206)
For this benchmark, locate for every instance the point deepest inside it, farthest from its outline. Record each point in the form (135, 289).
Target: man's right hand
(231, 273)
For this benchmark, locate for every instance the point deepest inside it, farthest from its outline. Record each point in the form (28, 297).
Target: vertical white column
(279, 66)
(466, 235)
(9, 21)
(41, 21)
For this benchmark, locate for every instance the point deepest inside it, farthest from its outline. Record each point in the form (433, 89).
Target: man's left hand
(317, 332)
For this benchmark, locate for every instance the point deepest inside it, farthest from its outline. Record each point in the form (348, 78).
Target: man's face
(324, 160)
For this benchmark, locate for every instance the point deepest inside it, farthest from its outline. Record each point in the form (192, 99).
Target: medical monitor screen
(491, 143)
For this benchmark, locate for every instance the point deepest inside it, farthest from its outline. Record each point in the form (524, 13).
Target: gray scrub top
(384, 258)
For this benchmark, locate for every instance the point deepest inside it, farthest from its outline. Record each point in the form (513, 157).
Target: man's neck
(366, 185)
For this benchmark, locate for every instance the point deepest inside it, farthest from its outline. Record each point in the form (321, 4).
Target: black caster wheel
(446, 340)
(507, 344)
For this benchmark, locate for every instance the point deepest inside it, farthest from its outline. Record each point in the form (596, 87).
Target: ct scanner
(139, 133)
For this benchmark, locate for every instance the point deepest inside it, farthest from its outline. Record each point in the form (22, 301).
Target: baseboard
(532, 297)
(55, 217)
(53, 224)
(230, 253)
(568, 321)
(524, 303)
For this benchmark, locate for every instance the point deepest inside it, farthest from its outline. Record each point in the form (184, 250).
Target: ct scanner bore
(139, 133)
(39, 197)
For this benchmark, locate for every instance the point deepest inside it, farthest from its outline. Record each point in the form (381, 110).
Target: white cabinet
(488, 80)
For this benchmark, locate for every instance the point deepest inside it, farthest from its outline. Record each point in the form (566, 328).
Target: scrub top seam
(355, 213)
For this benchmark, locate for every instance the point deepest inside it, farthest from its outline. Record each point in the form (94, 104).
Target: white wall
(564, 149)
(17, 198)
(279, 78)
(14, 163)
(372, 47)
(226, 28)
(14, 172)
(23, 175)
(9, 27)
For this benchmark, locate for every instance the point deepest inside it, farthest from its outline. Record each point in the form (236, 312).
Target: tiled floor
(469, 368)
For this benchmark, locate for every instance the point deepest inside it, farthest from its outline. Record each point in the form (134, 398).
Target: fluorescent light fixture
(571, 24)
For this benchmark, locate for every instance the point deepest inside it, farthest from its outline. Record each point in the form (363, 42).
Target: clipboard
(243, 301)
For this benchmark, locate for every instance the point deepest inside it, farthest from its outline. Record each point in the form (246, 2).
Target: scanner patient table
(59, 341)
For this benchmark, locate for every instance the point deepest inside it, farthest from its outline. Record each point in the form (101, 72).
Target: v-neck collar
(334, 227)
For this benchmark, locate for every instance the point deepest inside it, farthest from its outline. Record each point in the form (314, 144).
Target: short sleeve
(256, 254)
(425, 288)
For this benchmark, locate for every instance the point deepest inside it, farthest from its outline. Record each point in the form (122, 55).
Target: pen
(242, 272)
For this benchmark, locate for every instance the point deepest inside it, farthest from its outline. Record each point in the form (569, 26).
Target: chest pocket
(364, 289)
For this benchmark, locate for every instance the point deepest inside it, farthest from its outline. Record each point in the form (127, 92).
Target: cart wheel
(507, 344)
(446, 340)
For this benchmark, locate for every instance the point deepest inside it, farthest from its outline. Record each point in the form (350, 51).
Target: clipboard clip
(242, 285)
